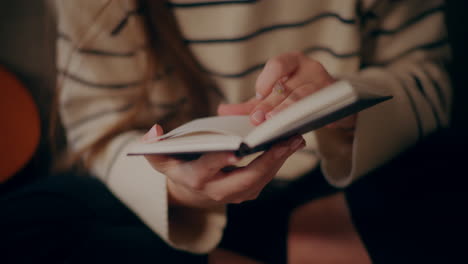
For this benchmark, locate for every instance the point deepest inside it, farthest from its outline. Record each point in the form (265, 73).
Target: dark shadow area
(458, 35)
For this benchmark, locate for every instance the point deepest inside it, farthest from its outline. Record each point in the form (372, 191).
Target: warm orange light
(19, 125)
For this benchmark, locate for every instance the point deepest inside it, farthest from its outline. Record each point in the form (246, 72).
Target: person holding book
(125, 65)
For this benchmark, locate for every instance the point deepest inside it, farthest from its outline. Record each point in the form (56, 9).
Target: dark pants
(75, 219)
(413, 210)
(409, 211)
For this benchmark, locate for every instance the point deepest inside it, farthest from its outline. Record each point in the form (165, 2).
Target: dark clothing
(408, 211)
(75, 219)
(412, 209)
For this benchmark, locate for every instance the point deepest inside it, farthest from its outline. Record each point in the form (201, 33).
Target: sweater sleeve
(102, 61)
(404, 53)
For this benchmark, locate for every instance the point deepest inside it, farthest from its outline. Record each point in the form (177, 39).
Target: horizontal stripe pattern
(427, 34)
(307, 51)
(240, 22)
(258, 32)
(121, 85)
(408, 23)
(242, 61)
(98, 52)
(193, 4)
(232, 40)
(116, 30)
(426, 47)
(166, 106)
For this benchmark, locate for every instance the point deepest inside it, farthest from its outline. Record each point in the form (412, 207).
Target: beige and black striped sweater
(399, 47)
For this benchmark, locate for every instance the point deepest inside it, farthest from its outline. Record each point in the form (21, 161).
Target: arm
(404, 50)
(182, 201)
(101, 81)
(403, 53)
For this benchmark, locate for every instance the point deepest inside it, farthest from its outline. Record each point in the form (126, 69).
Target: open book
(236, 133)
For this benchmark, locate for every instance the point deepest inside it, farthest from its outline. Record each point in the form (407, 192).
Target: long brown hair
(167, 48)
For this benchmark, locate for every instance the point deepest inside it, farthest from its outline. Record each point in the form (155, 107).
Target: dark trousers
(412, 210)
(408, 211)
(75, 219)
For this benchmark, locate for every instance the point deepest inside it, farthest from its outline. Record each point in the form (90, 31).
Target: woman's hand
(202, 183)
(284, 80)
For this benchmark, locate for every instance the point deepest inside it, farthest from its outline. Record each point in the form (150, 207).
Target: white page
(191, 143)
(238, 126)
(314, 106)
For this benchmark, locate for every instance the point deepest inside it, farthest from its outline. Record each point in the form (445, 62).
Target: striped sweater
(398, 47)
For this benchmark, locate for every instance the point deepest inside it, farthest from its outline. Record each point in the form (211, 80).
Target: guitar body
(19, 125)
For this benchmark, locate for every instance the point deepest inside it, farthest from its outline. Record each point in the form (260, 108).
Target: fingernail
(258, 116)
(151, 134)
(296, 143)
(281, 151)
(259, 96)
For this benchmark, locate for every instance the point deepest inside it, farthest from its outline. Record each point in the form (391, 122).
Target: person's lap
(411, 210)
(75, 219)
(407, 211)
(396, 210)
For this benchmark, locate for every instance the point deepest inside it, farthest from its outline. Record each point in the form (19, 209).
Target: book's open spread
(236, 133)
(228, 125)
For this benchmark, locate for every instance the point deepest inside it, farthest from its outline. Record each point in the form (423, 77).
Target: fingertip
(152, 134)
(257, 117)
(159, 130)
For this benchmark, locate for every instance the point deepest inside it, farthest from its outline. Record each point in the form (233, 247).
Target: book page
(190, 143)
(238, 126)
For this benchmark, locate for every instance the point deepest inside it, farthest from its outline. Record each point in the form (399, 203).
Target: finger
(292, 97)
(279, 94)
(237, 109)
(274, 158)
(275, 69)
(197, 173)
(163, 163)
(264, 168)
(238, 184)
